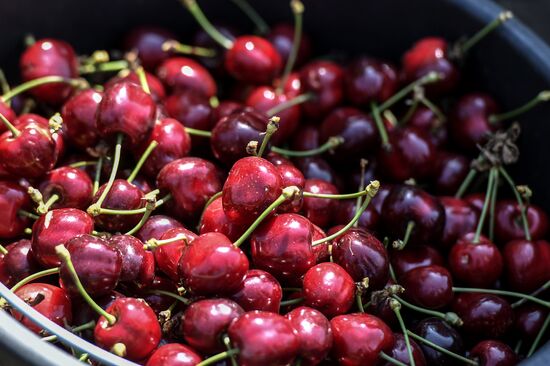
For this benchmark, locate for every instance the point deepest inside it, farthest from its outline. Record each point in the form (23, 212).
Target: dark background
(534, 13)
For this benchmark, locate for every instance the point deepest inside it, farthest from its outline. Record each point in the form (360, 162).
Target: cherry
(264, 338)
(156, 226)
(476, 264)
(291, 176)
(155, 85)
(362, 256)
(378, 200)
(281, 37)
(97, 264)
(138, 265)
(525, 264)
(325, 79)
(56, 227)
(369, 80)
(346, 210)
(314, 334)
(430, 121)
(126, 108)
(55, 304)
(359, 338)
(508, 224)
(167, 256)
(460, 218)
(212, 265)
(192, 110)
(71, 185)
(528, 320)
(182, 73)
(56, 133)
(7, 112)
(191, 182)
(157, 301)
(136, 328)
(205, 321)
(484, 315)
(19, 262)
(315, 167)
(321, 251)
(306, 138)
(319, 210)
(476, 200)
(494, 353)
(49, 57)
(225, 108)
(429, 286)
(439, 332)
(215, 220)
(329, 289)
(173, 354)
(78, 115)
(259, 291)
(410, 258)
(399, 352)
(147, 42)
(13, 197)
(82, 313)
(450, 170)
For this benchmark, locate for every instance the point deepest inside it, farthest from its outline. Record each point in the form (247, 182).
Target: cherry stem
(522, 206)
(502, 17)
(172, 295)
(441, 349)
(65, 257)
(450, 317)
(150, 206)
(488, 194)
(219, 357)
(492, 205)
(331, 143)
(272, 127)
(359, 201)
(410, 111)
(45, 207)
(401, 244)
(390, 359)
(4, 84)
(140, 72)
(292, 289)
(103, 67)
(195, 132)
(543, 96)
(288, 192)
(504, 293)
(85, 326)
(345, 196)
(142, 160)
(80, 164)
(261, 25)
(227, 342)
(431, 106)
(97, 178)
(380, 126)
(14, 131)
(28, 214)
(21, 88)
(539, 336)
(185, 49)
(297, 10)
(359, 301)
(371, 189)
(395, 305)
(466, 183)
(137, 211)
(95, 209)
(155, 243)
(426, 79)
(299, 99)
(199, 16)
(34, 276)
(3, 250)
(298, 300)
(208, 203)
(534, 294)
(119, 349)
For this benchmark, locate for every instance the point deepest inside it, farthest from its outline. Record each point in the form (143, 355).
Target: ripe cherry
(460, 219)
(147, 42)
(18, 263)
(494, 353)
(346, 209)
(290, 176)
(167, 256)
(182, 73)
(281, 37)
(528, 320)
(253, 59)
(369, 80)
(306, 138)
(156, 88)
(449, 172)
(13, 197)
(174, 354)
(319, 210)
(438, 331)
(410, 258)
(214, 219)
(7, 112)
(79, 118)
(259, 291)
(156, 226)
(429, 286)
(509, 226)
(525, 264)
(399, 352)
(138, 264)
(317, 168)
(430, 121)
(325, 79)
(71, 185)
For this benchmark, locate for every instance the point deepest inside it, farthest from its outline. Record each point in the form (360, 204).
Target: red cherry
(157, 89)
(203, 39)
(484, 315)
(321, 251)
(83, 313)
(147, 42)
(204, 323)
(370, 80)
(7, 112)
(399, 352)
(325, 79)
(476, 200)
(215, 220)
(345, 211)
(173, 354)
(509, 226)
(291, 176)
(528, 320)
(281, 37)
(410, 258)
(429, 286)
(167, 256)
(319, 210)
(329, 289)
(224, 109)
(438, 331)
(253, 59)
(18, 263)
(359, 338)
(460, 218)
(138, 264)
(306, 138)
(494, 353)
(317, 168)
(449, 172)
(428, 120)
(526, 264)
(13, 198)
(182, 73)
(57, 136)
(158, 302)
(79, 118)
(259, 291)
(378, 200)
(73, 186)
(56, 227)
(156, 226)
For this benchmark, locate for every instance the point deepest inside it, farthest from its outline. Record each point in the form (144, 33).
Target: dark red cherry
(362, 256)
(97, 264)
(476, 200)
(314, 334)
(449, 172)
(325, 79)
(509, 226)
(158, 302)
(253, 59)
(203, 39)
(83, 313)
(430, 286)
(484, 315)
(526, 264)
(410, 258)
(306, 138)
(173, 354)
(79, 118)
(49, 57)
(155, 86)
(329, 289)
(19, 262)
(182, 73)
(291, 176)
(224, 109)
(147, 42)
(359, 338)
(460, 218)
(73, 186)
(55, 304)
(13, 197)
(56, 227)
(191, 182)
(136, 327)
(212, 265)
(321, 251)
(528, 320)
(138, 264)
(156, 226)
(215, 220)
(378, 200)
(167, 256)
(204, 323)
(127, 109)
(494, 353)
(281, 37)
(259, 291)
(319, 210)
(369, 80)
(317, 168)
(399, 352)
(428, 120)
(264, 338)
(7, 112)
(438, 331)
(346, 210)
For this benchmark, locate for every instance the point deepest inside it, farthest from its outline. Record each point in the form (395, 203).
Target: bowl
(512, 64)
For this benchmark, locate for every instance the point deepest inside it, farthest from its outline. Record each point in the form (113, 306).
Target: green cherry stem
(492, 205)
(543, 96)
(3, 250)
(218, 357)
(488, 195)
(195, 132)
(185, 49)
(427, 79)
(45, 207)
(345, 196)
(199, 16)
(441, 349)
(299, 99)
(155, 243)
(261, 26)
(181, 299)
(150, 206)
(296, 301)
(402, 243)
(504, 293)
(97, 177)
(142, 160)
(227, 342)
(539, 336)
(65, 258)
(390, 359)
(14, 131)
(76, 83)
(80, 328)
(28, 214)
(34, 276)
(80, 164)
(140, 72)
(331, 143)
(466, 183)
(297, 8)
(208, 203)
(363, 164)
(137, 211)
(522, 207)
(534, 294)
(5, 86)
(380, 125)
(395, 305)
(109, 66)
(272, 127)
(482, 33)
(449, 317)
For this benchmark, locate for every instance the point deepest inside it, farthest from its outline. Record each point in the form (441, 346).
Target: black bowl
(513, 64)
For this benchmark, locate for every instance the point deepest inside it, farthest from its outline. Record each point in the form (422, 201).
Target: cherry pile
(239, 200)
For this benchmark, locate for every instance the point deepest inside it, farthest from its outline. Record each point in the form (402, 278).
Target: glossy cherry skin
(408, 203)
(399, 352)
(439, 332)
(158, 92)
(449, 172)
(18, 262)
(317, 168)
(214, 219)
(411, 155)
(136, 327)
(138, 264)
(494, 353)
(528, 320)
(13, 197)
(325, 79)
(192, 110)
(319, 210)
(314, 334)
(48, 57)
(264, 338)
(205, 321)
(79, 118)
(182, 73)
(158, 302)
(191, 182)
(426, 119)
(484, 315)
(306, 138)
(156, 226)
(7, 112)
(97, 264)
(73, 186)
(526, 264)
(212, 265)
(56, 227)
(469, 124)
(167, 256)
(369, 80)
(362, 256)
(410, 258)
(359, 338)
(346, 210)
(147, 42)
(122, 196)
(173, 143)
(281, 37)
(55, 305)
(329, 289)
(125, 108)
(321, 251)
(259, 291)
(224, 109)
(461, 218)
(290, 176)
(252, 185)
(173, 354)
(509, 226)
(429, 286)
(475, 264)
